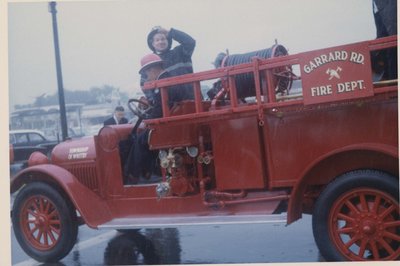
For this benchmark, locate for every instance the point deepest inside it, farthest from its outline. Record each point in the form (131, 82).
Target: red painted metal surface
(324, 130)
(74, 151)
(361, 156)
(37, 158)
(91, 206)
(149, 206)
(237, 154)
(336, 74)
(173, 136)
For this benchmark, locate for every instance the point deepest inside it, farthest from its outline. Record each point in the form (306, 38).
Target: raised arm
(187, 43)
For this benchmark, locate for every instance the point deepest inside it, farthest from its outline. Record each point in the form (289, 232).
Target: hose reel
(245, 85)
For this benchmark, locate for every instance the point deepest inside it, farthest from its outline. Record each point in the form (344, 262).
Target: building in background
(47, 120)
(82, 120)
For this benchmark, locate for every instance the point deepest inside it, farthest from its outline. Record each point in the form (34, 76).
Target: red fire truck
(330, 150)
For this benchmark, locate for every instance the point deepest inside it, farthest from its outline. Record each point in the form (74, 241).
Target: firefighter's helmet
(149, 60)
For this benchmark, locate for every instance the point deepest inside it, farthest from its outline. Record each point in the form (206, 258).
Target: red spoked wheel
(44, 222)
(363, 225)
(40, 222)
(357, 218)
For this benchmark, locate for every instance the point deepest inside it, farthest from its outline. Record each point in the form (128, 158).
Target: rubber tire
(67, 216)
(355, 179)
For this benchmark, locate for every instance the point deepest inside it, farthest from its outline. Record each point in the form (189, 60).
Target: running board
(163, 222)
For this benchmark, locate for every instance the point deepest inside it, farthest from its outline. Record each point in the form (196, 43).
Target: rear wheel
(45, 223)
(357, 218)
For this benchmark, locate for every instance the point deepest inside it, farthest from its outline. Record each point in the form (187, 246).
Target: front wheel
(357, 218)
(45, 223)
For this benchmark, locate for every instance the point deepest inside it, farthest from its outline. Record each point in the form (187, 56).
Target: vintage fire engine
(330, 150)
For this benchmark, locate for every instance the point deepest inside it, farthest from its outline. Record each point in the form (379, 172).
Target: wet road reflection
(156, 246)
(246, 243)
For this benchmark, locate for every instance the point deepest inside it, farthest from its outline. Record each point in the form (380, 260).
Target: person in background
(117, 118)
(176, 61)
(385, 16)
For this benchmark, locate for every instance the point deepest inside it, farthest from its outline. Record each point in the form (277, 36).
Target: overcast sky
(101, 42)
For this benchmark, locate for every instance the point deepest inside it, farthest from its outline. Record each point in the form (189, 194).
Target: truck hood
(76, 150)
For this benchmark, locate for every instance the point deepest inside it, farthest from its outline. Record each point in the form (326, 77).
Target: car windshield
(26, 138)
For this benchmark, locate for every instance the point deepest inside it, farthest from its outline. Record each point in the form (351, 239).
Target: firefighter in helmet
(153, 68)
(141, 161)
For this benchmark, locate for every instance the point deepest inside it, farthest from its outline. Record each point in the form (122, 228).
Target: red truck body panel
(237, 154)
(322, 131)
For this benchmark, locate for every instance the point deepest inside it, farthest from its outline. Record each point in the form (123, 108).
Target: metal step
(175, 221)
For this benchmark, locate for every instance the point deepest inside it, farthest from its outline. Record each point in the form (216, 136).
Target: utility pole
(61, 100)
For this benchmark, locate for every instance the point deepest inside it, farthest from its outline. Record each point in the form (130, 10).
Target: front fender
(93, 209)
(364, 155)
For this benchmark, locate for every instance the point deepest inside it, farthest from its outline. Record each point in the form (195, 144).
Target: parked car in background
(26, 141)
(54, 134)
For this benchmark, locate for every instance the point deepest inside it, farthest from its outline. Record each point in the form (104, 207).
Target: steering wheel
(139, 107)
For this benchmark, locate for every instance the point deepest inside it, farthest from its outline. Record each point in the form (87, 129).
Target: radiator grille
(85, 173)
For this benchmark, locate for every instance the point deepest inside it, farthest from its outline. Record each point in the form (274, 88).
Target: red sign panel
(337, 73)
